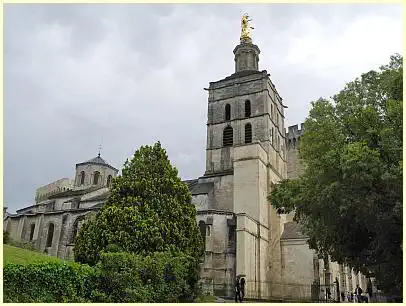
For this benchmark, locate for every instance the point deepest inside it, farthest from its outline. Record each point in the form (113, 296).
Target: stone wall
(219, 263)
(250, 181)
(297, 262)
(201, 201)
(60, 185)
(221, 197)
(252, 254)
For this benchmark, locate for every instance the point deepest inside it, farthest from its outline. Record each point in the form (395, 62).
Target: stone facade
(247, 151)
(61, 208)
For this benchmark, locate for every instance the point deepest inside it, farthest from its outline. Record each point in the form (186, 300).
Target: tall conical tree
(149, 210)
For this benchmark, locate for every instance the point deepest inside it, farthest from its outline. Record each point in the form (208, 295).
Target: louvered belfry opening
(248, 133)
(228, 136)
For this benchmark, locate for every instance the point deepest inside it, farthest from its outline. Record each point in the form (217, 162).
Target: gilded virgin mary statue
(245, 27)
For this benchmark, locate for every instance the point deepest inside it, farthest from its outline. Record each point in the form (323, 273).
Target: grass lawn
(206, 299)
(16, 255)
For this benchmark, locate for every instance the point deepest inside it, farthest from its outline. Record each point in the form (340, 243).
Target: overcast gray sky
(128, 75)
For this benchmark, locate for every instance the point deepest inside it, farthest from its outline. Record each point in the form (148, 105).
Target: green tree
(349, 198)
(149, 210)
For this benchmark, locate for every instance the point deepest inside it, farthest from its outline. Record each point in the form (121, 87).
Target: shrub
(48, 282)
(158, 277)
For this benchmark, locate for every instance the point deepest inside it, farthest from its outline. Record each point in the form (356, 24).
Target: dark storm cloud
(127, 75)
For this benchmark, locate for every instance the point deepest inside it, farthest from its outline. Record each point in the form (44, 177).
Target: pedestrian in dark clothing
(237, 290)
(358, 292)
(242, 288)
(369, 290)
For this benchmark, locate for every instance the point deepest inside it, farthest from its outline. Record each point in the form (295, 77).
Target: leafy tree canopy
(349, 198)
(149, 210)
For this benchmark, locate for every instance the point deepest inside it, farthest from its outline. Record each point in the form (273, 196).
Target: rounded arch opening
(50, 237)
(76, 227)
(109, 180)
(82, 178)
(32, 229)
(96, 177)
(227, 112)
(247, 108)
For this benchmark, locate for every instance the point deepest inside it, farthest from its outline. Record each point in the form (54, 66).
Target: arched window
(228, 136)
(248, 133)
(76, 228)
(50, 235)
(96, 177)
(202, 227)
(271, 130)
(208, 231)
(228, 112)
(32, 231)
(74, 231)
(247, 108)
(82, 178)
(109, 179)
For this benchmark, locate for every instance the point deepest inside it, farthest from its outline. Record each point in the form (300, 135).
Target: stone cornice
(219, 173)
(214, 212)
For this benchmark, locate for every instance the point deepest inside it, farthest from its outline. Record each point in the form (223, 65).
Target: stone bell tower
(245, 154)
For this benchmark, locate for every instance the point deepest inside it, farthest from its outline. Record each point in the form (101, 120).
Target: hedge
(118, 277)
(47, 282)
(159, 277)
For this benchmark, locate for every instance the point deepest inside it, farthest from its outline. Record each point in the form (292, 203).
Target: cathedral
(247, 150)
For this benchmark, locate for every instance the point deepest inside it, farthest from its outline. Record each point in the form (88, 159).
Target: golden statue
(245, 27)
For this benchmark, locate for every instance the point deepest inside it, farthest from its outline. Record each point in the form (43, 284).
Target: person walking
(237, 289)
(358, 292)
(242, 288)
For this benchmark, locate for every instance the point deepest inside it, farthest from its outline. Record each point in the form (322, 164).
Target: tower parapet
(294, 131)
(293, 135)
